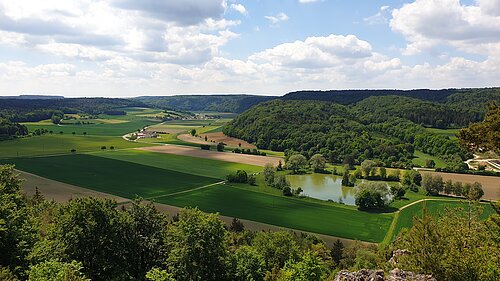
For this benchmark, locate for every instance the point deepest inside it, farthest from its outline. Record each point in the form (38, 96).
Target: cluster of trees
(434, 185)
(9, 130)
(372, 196)
(94, 239)
(241, 177)
(249, 151)
(278, 181)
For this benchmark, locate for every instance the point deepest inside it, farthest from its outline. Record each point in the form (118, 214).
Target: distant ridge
(32, 97)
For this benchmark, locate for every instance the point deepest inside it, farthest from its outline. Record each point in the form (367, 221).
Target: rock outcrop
(379, 275)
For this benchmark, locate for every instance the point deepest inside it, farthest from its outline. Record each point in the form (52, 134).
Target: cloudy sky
(125, 48)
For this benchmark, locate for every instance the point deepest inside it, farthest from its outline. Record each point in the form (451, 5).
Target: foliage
(269, 173)
(484, 135)
(248, 264)
(432, 185)
(156, 274)
(371, 195)
(240, 177)
(196, 246)
(296, 162)
(57, 271)
(310, 267)
(9, 130)
(458, 246)
(318, 162)
(276, 248)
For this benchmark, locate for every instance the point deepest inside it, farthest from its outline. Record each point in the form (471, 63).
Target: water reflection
(324, 187)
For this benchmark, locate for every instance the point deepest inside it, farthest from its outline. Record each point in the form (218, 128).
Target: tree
(296, 162)
(475, 192)
(252, 180)
(280, 182)
(193, 132)
(345, 179)
(398, 191)
(56, 119)
(432, 185)
(318, 162)
(240, 177)
(411, 179)
(220, 146)
(367, 166)
(336, 252)
(371, 195)
(236, 225)
(429, 163)
(287, 191)
(269, 172)
(382, 172)
(197, 247)
(310, 267)
(156, 274)
(57, 271)
(276, 248)
(484, 135)
(248, 264)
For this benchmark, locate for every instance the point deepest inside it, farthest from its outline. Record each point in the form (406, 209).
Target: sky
(125, 48)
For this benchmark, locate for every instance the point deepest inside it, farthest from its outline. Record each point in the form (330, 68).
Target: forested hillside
(32, 110)
(365, 131)
(219, 103)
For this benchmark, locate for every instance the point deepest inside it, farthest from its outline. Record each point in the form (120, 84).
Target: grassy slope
(451, 133)
(186, 164)
(340, 221)
(60, 144)
(116, 177)
(421, 157)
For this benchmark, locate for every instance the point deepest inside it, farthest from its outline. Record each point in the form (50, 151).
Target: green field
(116, 177)
(61, 144)
(420, 158)
(451, 133)
(186, 164)
(340, 221)
(435, 208)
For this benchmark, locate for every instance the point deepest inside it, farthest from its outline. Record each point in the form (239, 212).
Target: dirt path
(215, 155)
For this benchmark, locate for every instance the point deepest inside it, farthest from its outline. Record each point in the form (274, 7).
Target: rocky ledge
(379, 275)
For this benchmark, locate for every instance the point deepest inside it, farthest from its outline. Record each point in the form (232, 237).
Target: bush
(240, 177)
(287, 191)
(103, 147)
(220, 146)
(205, 147)
(252, 180)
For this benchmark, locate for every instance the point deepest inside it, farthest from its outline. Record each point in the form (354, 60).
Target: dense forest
(95, 239)
(362, 131)
(218, 103)
(32, 110)
(9, 130)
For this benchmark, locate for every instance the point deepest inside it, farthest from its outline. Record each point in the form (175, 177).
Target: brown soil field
(491, 185)
(216, 137)
(215, 155)
(58, 191)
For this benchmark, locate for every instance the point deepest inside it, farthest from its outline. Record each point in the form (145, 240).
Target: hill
(342, 132)
(218, 103)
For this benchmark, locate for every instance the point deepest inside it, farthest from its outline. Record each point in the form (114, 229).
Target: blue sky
(124, 48)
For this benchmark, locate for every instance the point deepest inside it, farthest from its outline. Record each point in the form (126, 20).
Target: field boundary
(185, 191)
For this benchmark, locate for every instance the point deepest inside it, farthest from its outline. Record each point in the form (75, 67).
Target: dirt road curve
(215, 155)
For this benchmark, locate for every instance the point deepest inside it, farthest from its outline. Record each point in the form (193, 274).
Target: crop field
(340, 221)
(61, 144)
(121, 178)
(186, 164)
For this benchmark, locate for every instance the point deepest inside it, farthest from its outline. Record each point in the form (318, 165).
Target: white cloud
(239, 8)
(429, 23)
(381, 17)
(280, 17)
(308, 1)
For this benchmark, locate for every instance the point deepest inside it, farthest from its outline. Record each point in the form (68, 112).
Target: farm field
(61, 144)
(180, 163)
(214, 155)
(491, 184)
(121, 178)
(287, 212)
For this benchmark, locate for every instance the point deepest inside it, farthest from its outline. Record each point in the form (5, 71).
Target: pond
(324, 187)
